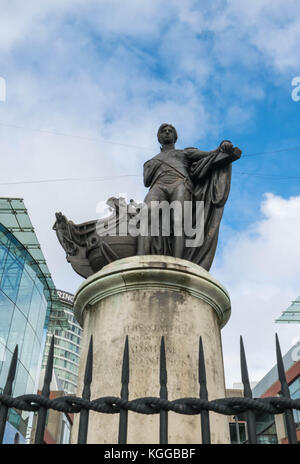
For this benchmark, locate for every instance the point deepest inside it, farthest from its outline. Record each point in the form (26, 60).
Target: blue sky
(106, 74)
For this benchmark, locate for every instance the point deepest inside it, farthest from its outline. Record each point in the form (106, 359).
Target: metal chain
(152, 405)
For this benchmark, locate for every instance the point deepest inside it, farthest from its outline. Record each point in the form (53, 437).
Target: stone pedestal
(146, 297)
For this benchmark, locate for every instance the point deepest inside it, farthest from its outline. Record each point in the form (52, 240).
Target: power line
(268, 176)
(270, 152)
(96, 139)
(100, 179)
(111, 142)
(68, 179)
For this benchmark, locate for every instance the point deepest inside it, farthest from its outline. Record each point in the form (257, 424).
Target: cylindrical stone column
(147, 297)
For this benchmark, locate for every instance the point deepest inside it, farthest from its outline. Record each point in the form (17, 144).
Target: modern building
(270, 428)
(58, 424)
(291, 315)
(274, 426)
(28, 307)
(237, 429)
(66, 346)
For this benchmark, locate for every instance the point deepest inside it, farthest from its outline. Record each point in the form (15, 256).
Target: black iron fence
(247, 406)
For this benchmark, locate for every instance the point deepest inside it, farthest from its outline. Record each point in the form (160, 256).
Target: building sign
(65, 297)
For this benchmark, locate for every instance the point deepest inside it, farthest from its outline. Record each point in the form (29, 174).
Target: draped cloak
(211, 184)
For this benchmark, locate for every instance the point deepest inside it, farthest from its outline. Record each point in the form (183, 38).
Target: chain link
(152, 405)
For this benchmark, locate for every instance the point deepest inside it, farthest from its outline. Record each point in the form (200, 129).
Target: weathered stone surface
(146, 297)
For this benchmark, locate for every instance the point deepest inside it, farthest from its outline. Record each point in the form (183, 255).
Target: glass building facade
(294, 388)
(66, 347)
(270, 386)
(292, 314)
(26, 304)
(23, 307)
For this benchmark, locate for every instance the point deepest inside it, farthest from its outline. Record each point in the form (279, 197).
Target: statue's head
(167, 134)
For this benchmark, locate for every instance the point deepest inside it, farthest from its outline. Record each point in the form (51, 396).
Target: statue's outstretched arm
(224, 158)
(225, 151)
(194, 154)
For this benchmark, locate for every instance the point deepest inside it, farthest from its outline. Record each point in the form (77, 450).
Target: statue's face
(167, 135)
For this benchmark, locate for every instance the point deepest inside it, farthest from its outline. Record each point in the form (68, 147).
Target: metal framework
(150, 405)
(14, 219)
(291, 315)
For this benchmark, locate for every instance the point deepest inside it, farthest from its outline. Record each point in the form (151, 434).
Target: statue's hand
(226, 146)
(237, 152)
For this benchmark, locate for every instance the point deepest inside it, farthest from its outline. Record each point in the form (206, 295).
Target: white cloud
(269, 28)
(260, 268)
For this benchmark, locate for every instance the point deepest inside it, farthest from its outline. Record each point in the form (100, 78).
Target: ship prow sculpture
(193, 182)
(87, 248)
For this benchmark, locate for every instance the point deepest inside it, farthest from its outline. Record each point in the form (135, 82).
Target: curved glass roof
(15, 219)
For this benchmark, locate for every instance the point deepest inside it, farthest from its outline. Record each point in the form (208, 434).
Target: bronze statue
(186, 177)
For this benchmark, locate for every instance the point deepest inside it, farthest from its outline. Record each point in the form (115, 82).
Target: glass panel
(4, 369)
(23, 220)
(17, 204)
(294, 386)
(17, 329)
(3, 255)
(14, 418)
(267, 439)
(264, 421)
(29, 267)
(44, 268)
(29, 238)
(20, 381)
(6, 313)
(237, 432)
(35, 305)
(42, 316)
(4, 236)
(4, 203)
(27, 347)
(18, 250)
(8, 219)
(40, 285)
(296, 416)
(65, 431)
(34, 365)
(2, 354)
(11, 277)
(25, 293)
(295, 394)
(14, 242)
(30, 386)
